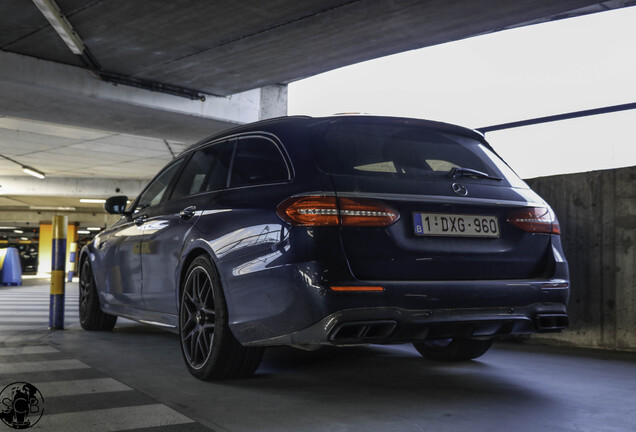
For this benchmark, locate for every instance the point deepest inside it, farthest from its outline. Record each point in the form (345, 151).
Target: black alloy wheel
(209, 348)
(90, 313)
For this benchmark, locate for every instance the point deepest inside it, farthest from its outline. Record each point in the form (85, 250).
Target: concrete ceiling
(223, 49)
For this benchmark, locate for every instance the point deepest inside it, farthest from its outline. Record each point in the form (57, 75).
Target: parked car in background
(342, 231)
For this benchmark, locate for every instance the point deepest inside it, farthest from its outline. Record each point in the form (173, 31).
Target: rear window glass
(257, 161)
(399, 151)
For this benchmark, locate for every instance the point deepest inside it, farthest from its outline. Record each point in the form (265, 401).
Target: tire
(453, 350)
(90, 313)
(210, 350)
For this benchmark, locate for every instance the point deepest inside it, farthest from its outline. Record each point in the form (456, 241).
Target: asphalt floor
(133, 378)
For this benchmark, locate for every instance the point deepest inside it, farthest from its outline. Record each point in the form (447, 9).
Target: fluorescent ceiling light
(7, 228)
(92, 200)
(51, 208)
(94, 228)
(33, 172)
(55, 16)
(83, 232)
(26, 169)
(17, 231)
(24, 238)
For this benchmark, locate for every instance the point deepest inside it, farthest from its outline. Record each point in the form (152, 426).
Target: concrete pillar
(45, 241)
(273, 101)
(44, 247)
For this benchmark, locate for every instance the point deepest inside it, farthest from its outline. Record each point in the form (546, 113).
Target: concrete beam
(33, 218)
(70, 187)
(74, 96)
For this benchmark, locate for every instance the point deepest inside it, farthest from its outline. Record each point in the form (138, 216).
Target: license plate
(455, 225)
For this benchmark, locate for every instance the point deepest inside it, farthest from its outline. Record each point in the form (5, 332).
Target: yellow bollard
(58, 270)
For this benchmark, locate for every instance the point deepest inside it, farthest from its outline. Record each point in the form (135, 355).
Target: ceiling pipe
(559, 117)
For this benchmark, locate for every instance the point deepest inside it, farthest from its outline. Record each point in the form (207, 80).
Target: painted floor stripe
(19, 319)
(34, 312)
(52, 365)
(15, 315)
(22, 336)
(32, 349)
(25, 304)
(113, 419)
(20, 327)
(35, 295)
(81, 387)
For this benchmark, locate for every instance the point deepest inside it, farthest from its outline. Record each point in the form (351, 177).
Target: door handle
(140, 220)
(187, 212)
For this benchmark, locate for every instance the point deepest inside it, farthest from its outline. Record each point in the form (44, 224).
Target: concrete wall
(597, 212)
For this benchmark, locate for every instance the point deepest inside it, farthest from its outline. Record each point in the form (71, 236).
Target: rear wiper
(468, 172)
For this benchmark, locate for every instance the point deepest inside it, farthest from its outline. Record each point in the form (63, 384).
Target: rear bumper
(395, 325)
(296, 308)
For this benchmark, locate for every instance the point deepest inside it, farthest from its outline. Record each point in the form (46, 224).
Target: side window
(217, 179)
(258, 160)
(195, 176)
(155, 191)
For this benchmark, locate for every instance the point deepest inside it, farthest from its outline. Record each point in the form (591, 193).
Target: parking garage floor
(134, 379)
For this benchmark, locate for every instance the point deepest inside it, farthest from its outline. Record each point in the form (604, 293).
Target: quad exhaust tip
(366, 331)
(551, 322)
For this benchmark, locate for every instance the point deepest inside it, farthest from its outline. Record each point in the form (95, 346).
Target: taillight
(536, 220)
(332, 211)
(309, 210)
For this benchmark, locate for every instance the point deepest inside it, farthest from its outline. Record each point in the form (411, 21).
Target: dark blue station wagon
(342, 231)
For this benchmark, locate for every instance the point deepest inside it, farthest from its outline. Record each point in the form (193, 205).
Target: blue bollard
(71, 260)
(10, 268)
(58, 266)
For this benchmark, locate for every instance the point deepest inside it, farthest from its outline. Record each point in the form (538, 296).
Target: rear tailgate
(467, 238)
(450, 227)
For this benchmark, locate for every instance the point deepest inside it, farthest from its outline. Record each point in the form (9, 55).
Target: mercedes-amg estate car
(342, 230)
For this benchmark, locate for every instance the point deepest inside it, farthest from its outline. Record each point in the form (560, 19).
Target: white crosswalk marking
(15, 315)
(113, 419)
(40, 366)
(33, 349)
(4, 327)
(26, 309)
(22, 319)
(24, 313)
(79, 387)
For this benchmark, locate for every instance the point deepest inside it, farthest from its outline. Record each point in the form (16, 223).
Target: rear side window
(207, 170)
(258, 160)
(397, 151)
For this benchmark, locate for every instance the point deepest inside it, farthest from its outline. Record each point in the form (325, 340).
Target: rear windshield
(399, 151)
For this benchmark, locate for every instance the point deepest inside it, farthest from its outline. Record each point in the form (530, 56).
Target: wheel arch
(191, 255)
(83, 256)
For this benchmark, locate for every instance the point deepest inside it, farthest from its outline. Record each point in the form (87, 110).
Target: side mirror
(116, 204)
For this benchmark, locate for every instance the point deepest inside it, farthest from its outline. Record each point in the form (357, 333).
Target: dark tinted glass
(198, 170)
(395, 151)
(217, 178)
(155, 191)
(258, 160)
